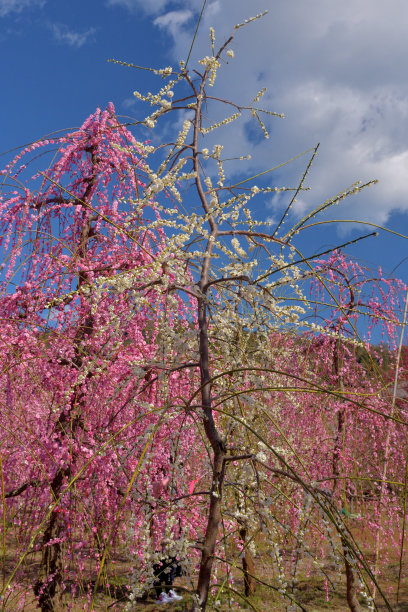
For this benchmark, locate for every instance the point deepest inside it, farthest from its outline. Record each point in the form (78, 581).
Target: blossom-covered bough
(153, 331)
(84, 315)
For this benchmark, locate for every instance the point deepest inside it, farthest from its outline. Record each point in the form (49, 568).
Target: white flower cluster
(156, 99)
(181, 138)
(221, 174)
(212, 39)
(237, 247)
(217, 150)
(261, 123)
(260, 456)
(259, 95)
(212, 63)
(208, 182)
(246, 21)
(159, 99)
(166, 104)
(217, 125)
(164, 72)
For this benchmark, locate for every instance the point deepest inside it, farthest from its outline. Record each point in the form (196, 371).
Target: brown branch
(190, 495)
(250, 235)
(226, 279)
(238, 457)
(19, 490)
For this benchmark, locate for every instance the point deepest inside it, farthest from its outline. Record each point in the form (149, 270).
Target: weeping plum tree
(152, 334)
(81, 403)
(358, 423)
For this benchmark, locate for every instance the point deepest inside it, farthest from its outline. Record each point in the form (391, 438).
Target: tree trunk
(218, 446)
(210, 539)
(48, 586)
(351, 585)
(248, 566)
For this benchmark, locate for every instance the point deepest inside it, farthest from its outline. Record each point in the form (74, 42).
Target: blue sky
(336, 70)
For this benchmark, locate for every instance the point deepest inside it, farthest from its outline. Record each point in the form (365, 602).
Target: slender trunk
(351, 584)
(210, 539)
(214, 513)
(248, 566)
(48, 586)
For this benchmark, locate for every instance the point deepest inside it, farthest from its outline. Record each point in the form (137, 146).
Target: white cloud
(337, 71)
(150, 7)
(173, 20)
(153, 7)
(129, 103)
(16, 6)
(63, 34)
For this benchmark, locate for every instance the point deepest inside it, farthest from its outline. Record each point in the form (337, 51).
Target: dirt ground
(310, 593)
(309, 590)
